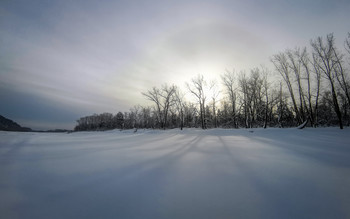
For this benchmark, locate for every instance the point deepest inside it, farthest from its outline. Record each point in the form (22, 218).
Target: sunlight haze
(60, 60)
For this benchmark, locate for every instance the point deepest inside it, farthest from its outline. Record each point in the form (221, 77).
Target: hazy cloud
(65, 59)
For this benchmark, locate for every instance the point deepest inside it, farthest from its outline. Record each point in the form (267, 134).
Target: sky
(61, 60)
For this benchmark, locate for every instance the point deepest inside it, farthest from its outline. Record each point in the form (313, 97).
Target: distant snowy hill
(9, 125)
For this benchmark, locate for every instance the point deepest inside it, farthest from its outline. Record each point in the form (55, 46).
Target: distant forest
(308, 86)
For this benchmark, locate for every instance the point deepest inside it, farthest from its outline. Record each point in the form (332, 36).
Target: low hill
(9, 125)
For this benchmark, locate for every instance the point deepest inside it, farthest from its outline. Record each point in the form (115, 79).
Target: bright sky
(60, 60)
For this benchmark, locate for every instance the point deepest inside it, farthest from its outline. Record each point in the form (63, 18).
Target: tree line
(308, 86)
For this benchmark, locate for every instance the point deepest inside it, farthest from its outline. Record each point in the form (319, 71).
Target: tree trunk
(336, 106)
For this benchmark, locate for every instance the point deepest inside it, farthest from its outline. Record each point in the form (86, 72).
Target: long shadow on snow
(157, 166)
(129, 192)
(282, 197)
(72, 152)
(314, 149)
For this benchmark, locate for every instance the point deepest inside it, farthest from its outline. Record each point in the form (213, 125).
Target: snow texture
(259, 173)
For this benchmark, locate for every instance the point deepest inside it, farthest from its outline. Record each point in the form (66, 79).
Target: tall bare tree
(325, 55)
(244, 88)
(283, 67)
(180, 105)
(254, 96)
(305, 61)
(228, 80)
(341, 74)
(196, 88)
(265, 85)
(295, 65)
(318, 78)
(214, 98)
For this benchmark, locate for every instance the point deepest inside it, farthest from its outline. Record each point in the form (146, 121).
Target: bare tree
(154, 95)
(190, 112)
(168, 97)
(255, 96)
(341, 75)
(243, 83)
(280, 106)
(282, 66)
(325, 56)
(347, 43)
(228, 80)
(196, 88)
(265, 84)
(163, 98)
(295, 65)
(251, 88)
(180, 105)
(119, 120)
(318, 77)
(305, 61)
(134, 116)
(214, 95)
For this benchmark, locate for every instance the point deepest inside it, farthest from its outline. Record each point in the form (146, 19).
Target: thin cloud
(99, 55)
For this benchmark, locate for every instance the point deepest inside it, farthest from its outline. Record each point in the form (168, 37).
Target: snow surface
(255, 173)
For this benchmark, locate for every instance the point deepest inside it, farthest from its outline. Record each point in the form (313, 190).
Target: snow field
(218, 173)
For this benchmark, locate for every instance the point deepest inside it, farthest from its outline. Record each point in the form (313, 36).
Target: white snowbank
(255, 173)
